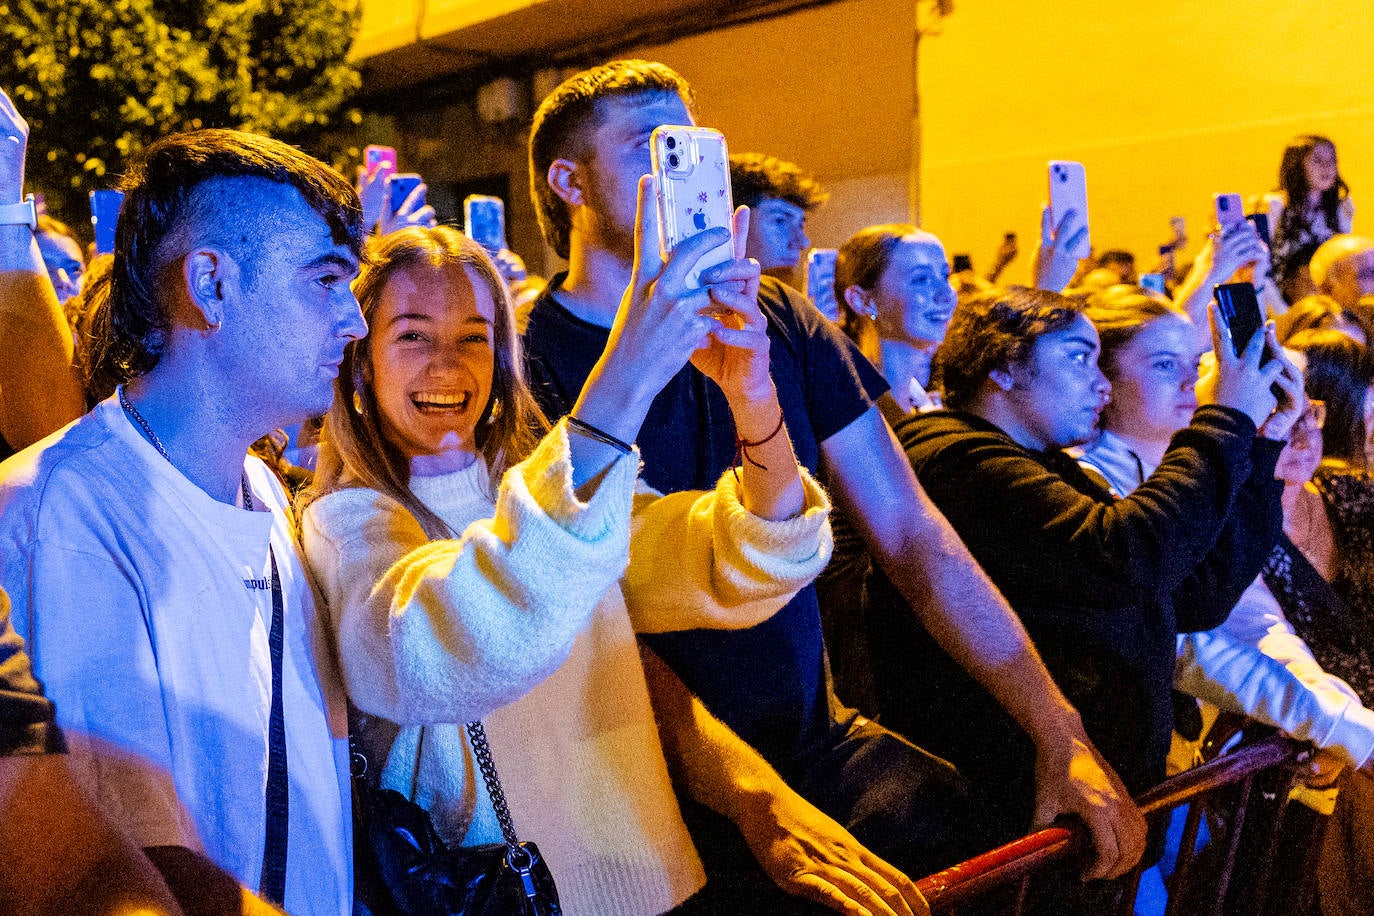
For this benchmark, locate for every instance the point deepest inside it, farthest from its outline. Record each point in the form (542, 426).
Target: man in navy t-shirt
(588, 148)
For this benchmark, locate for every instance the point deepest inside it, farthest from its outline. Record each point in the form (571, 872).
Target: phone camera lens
(674, 161)
(671, 142)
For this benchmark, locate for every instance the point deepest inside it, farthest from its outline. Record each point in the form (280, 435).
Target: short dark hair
(186, 182)
(1115, 256)
(567, 117)
(1338, 372)
(996, 330)
(754, 177)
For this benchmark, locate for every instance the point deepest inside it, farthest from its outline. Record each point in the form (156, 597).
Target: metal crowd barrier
(968, 886)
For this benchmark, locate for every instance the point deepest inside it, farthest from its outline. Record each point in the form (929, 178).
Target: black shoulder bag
(404, 867)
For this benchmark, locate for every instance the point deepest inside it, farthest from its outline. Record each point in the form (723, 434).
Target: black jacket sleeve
(1038, 521)
(1205, 598)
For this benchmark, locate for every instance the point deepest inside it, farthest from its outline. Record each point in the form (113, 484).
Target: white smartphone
(692, 170)
(484, 219)
(1229, 209)
(1069, 191)
(820, 281)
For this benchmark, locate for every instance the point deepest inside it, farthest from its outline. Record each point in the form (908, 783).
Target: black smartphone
(962, 262)
(1261, 223)
(1240, 309)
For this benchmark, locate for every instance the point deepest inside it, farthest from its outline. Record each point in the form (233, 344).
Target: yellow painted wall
(829, 88)
(1166, 103)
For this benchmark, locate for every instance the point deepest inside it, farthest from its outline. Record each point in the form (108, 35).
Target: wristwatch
(24, 213)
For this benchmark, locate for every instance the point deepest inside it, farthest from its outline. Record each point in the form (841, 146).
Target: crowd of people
(755, 610)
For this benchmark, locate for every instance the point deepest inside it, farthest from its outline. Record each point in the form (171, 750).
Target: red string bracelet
(742, 447)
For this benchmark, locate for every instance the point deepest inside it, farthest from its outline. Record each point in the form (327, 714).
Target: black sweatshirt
(1102, 585)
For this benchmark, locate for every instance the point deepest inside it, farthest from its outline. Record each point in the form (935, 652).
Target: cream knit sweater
(520, 622)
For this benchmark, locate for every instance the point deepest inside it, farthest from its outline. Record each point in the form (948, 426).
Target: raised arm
(799, 847)
(660, 325)
(39, 389)
(1239, 245)
(924, 558)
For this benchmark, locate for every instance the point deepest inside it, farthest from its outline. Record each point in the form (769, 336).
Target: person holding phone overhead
(589, 147)
(1103, 585)
(476, 567)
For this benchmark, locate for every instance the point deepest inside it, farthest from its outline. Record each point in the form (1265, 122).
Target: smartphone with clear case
(692, 172)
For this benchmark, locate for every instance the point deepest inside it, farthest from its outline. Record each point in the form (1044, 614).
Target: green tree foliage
(99, 79)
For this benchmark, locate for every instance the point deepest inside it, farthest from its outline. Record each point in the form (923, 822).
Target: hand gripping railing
(1023, 859)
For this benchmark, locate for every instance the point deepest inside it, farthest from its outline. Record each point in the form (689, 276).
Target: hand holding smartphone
(1240, 309)
(379, 158)
(820, 281)
(1229, 210)
(1069, 191)
(691, 169)
(1261, 223)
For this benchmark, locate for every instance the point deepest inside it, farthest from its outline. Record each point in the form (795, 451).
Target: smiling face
(1152, 380)
(913, 297)
(1320, 168)
(432, 358)
(1057, 395)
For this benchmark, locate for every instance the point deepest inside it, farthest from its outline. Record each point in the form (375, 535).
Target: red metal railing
(1022, 860)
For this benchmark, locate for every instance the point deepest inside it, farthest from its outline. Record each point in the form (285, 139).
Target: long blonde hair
(354, 450)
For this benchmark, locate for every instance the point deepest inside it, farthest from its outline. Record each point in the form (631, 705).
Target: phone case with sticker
(692, 170)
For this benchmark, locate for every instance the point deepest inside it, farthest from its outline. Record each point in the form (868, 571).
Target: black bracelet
(591, 432)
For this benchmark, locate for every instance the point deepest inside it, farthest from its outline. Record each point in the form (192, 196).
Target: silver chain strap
(482, 751)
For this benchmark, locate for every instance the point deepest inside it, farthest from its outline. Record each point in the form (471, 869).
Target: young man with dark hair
(1103, 585)
(779, 195)
(588, 149)
(153, 564)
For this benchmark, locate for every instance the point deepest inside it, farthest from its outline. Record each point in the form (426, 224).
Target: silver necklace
(157, 443)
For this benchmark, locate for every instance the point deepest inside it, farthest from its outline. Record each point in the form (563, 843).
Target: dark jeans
(908, 806)
(905, 805)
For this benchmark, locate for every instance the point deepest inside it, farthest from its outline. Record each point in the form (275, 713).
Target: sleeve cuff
(792, 539)
(547, 473)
